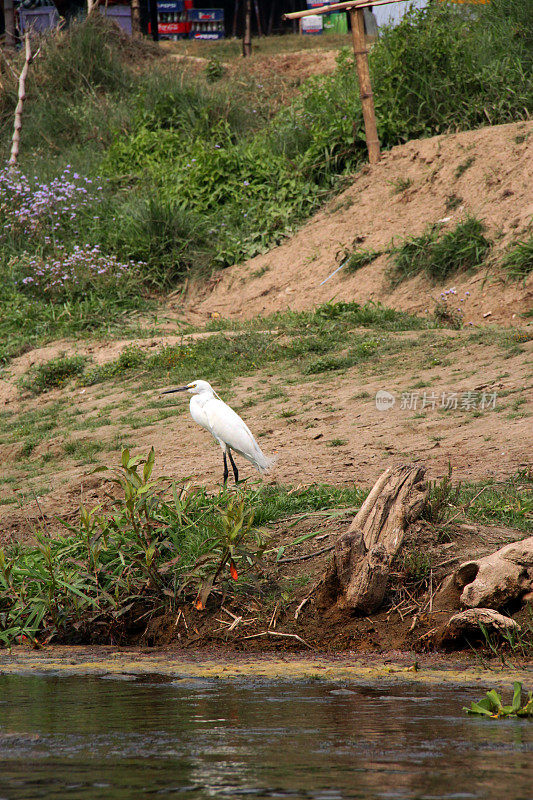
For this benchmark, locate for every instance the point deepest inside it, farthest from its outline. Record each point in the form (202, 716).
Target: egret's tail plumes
(262, 462)
(259, 459)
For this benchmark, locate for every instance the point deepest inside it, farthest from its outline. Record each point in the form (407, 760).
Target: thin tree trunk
(235, 17)
(247, 38)
(20, 105)
(258, 17)
(135, 19)
(271, 20)
(9, 21)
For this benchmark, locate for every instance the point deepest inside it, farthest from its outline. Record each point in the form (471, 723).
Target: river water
(91, 738)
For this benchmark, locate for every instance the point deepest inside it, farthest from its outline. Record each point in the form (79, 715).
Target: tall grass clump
(440, 255)
(517, 260)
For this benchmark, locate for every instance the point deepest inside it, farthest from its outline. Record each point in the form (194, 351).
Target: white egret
(227, 428)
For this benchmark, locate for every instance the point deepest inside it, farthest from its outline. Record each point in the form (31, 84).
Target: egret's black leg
(235, 470)
(226, 471)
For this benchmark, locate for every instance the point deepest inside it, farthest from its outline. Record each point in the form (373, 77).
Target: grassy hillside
(131, 167)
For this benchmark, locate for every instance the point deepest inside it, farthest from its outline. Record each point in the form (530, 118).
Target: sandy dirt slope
(324, 428)
(495, 185)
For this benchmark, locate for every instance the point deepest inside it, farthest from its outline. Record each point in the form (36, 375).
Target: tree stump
(358, 575)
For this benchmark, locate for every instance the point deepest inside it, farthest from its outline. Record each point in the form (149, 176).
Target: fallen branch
(307, 556)
(278, 633)
(302, 604)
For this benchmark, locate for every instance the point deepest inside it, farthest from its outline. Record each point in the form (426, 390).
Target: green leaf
(517, 696)
(477, 708)
(495, 700)
(148, 467)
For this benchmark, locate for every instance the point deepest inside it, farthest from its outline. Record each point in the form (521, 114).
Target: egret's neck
(201, 398)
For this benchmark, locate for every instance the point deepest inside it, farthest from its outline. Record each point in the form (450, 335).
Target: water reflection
(89, 739)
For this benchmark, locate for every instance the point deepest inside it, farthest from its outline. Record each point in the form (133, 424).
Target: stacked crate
(172, 18)
(206, 23)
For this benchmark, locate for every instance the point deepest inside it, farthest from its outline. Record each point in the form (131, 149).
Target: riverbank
(179, 665)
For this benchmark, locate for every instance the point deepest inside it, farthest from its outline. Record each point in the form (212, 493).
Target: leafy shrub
(439, 254)
(164, 239)
(214, 69)
(120, 566)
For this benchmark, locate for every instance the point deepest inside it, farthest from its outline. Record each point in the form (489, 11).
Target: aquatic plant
(492, 706)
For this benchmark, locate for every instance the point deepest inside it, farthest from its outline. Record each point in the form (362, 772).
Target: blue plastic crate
(207, 35)
(206, 15)
(169, 6)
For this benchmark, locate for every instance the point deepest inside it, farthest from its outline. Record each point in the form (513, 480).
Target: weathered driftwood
(20, 105)
(468, 624)
(358, 576)
(493, 581)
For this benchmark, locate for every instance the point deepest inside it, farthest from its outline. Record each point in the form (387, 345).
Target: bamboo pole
(247, 36)
(20, 105)
(9, 24)
(365, 86)
(344, 6)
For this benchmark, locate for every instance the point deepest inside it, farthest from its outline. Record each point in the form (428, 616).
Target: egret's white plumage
(226, 427)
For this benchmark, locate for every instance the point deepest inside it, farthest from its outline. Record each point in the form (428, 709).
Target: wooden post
(20, 105)
(247, 37)
(135, 19)
(9, 22)
(365, 87)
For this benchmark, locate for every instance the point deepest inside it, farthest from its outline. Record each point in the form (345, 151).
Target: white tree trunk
(20, 105)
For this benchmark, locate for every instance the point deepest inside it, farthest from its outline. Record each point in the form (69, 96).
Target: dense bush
(197, 174)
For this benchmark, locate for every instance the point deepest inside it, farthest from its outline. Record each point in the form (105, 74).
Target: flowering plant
(28, 206)
(66, 275)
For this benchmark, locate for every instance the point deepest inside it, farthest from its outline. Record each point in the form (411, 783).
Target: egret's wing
(228, 427)
(198, 414)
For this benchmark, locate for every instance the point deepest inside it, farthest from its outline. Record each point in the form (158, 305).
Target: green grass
(55, 373)
(441, 255)
(517, 261)
(462, 168)
(360, 258)
(500, 503)
(400, 185)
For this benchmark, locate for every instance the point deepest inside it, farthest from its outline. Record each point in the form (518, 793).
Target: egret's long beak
(173, 391)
